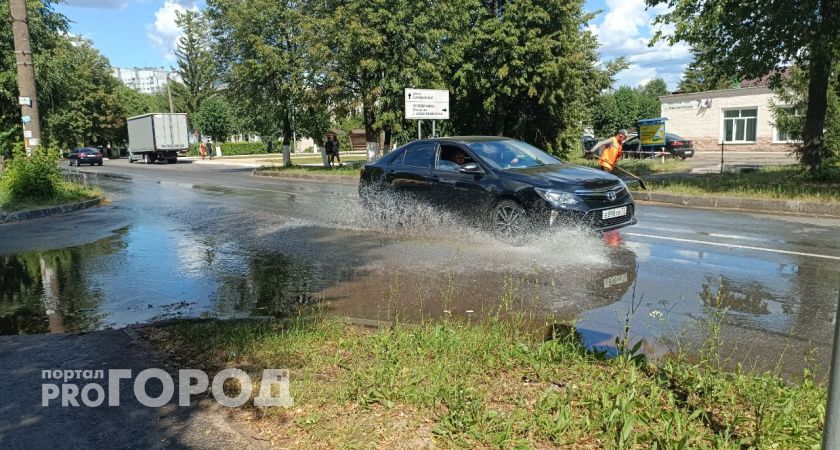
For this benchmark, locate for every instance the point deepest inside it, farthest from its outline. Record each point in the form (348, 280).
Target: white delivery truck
(154, 137)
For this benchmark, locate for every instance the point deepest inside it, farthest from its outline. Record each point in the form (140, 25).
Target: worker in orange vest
(612, 150)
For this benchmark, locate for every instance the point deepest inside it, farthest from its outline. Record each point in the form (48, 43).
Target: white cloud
(98, 4)
(164, 32)
(625, 30)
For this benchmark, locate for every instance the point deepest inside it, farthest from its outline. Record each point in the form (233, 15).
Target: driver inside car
(451, 162)
(458, 158)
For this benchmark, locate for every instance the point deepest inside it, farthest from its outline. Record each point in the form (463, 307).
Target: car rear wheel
(510, 222)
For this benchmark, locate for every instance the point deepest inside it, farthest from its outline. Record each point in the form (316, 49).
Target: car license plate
(613, 213)
(615, 280)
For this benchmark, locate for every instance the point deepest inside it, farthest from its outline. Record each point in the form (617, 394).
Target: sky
(142, 33)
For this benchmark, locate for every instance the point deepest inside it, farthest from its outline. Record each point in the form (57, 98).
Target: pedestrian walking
(202, 150)
(332, 149)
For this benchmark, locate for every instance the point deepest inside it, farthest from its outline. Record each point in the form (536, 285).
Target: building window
(782, 136)
(739, 125)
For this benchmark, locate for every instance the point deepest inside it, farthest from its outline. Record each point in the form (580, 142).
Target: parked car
(507, 185)
(85, 155)
(675, 145)
(588, 143)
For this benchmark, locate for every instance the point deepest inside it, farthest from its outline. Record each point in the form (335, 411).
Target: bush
(233, 148)
(35, 178)
(244, 148)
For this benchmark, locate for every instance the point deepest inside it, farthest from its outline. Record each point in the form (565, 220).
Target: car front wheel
(510, 222)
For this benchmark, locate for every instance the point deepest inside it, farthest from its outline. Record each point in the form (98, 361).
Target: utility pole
(831, 428)
(169, 90)
(26, 76)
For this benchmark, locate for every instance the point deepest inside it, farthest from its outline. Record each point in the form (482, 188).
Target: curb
(799, 207)
(344, 179)
(117, 176)
(18, 216)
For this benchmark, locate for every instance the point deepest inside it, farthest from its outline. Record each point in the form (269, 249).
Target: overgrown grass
(313, 170)
(455, 384)
(783, 182)
(639, 167)
(65, 192)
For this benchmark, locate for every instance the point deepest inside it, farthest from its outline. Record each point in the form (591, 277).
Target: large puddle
(147, 273)
(220, 252)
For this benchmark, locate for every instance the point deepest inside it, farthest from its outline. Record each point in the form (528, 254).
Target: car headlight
(557, 198)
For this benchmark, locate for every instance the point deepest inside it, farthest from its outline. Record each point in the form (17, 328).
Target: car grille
(599, 198)
(594, 217)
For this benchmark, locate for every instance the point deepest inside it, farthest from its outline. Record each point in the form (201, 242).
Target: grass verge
(453, 384)
(66, 192)
(312, 170)
(783, 182)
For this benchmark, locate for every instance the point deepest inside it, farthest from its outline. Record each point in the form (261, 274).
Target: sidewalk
(267, 159)
(24, 423)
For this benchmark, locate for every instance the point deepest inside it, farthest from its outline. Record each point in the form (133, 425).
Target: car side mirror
(470, 168)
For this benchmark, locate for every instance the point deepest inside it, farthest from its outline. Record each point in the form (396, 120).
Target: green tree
(353, 35)
(78, 96)
(624, 107)
(136, 103)
(215, 118)
(649, 104)
(606, 115)
(261, 46)
(754, 39)
(47, 30)
(793, 101)
(530, 71)
(195, 62)
(699, 76)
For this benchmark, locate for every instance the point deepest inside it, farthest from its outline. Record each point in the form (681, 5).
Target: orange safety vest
(610, 154)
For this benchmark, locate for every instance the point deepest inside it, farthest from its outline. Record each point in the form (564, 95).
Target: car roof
(471, 139)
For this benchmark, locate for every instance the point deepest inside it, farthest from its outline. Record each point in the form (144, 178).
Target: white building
(740, 118)
(148, 80)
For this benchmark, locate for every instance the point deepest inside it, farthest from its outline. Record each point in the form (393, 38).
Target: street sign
(27, 133)
(427, 104)
(33, 142)
(24, 101)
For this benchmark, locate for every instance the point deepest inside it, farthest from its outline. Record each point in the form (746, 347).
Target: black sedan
(85, 155)
(676, 146)
(508, 185)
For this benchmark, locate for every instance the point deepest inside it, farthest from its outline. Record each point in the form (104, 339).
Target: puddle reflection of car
(508, 185)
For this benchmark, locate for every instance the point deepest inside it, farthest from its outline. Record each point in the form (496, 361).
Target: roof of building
(736, 92)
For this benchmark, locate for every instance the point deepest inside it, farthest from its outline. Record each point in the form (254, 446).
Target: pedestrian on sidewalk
(332, 149)
(202, 150)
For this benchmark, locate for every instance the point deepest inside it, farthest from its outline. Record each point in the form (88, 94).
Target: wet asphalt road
(201, 239)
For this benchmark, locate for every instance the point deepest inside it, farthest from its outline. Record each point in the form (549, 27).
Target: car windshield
(511, 154)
